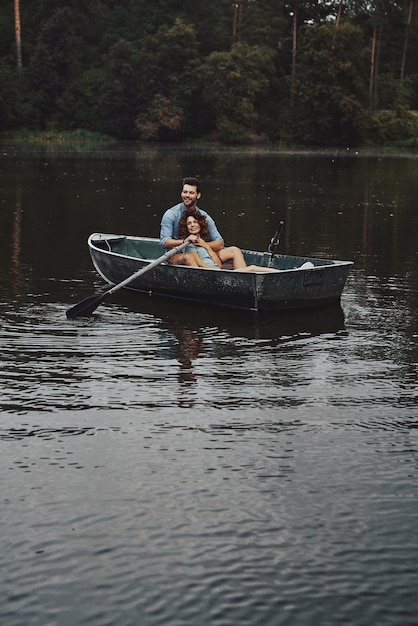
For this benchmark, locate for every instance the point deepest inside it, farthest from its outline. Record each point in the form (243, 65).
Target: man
(190, 194)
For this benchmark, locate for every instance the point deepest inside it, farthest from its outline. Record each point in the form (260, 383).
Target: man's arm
(216, 245)
(216, 241)
(168, 228)
(172, 243)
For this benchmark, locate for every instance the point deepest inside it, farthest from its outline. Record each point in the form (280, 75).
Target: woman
(193, 227)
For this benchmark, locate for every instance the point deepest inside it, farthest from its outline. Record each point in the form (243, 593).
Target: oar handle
(150, 266)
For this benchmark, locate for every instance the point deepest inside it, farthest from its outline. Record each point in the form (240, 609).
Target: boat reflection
(192, 331)
(186, 320)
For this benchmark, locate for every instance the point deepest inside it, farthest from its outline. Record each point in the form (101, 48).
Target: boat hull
(116, 257)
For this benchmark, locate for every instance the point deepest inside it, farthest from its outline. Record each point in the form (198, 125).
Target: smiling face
(190, 196)
(193, 226)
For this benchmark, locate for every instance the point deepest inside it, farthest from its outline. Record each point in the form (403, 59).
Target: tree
(387, 32)
(232, 83)
(166, 69)
(168, 64)
(162, 120)
(301, 13)
(405, 47)
(119, 86)
(331, 95)
(57, 59)
(10, 97)
(18, 35)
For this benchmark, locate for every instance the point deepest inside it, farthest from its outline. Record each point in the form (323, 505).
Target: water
(163, 463)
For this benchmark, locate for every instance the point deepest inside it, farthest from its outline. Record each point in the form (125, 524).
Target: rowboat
(298, 282)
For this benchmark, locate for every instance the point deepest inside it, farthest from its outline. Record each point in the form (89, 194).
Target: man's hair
(193, 181)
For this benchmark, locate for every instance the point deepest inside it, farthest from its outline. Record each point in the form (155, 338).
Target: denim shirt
(170, 224)
(203, 253)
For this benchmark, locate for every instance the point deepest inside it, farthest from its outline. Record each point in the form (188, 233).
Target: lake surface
(168, 464)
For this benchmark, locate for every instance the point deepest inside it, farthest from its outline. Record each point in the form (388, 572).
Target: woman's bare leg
(234, 254)
(184, 259)
(258, 268)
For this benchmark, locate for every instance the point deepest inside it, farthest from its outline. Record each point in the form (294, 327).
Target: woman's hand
(201, 242)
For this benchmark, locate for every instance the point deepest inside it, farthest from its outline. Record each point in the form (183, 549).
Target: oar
(272, 249)
(87, 306)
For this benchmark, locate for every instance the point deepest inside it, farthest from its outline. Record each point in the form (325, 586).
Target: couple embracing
(186, 222)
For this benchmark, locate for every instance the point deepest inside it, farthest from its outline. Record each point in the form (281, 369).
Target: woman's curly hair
(204, 229)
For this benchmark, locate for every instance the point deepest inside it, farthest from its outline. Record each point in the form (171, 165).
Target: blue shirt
(170, 224)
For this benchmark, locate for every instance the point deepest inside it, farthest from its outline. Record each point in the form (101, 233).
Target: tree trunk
(340, 10)
(405, 47)
(18, 35)
(237, 19)
(234, 20)
(372, 67)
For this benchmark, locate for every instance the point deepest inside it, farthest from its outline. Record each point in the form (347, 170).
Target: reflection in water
(190, 345)
(185, 345)
(144, 353)
(224, 339)
(190, 316)
(170, 464)
(190, 331)
(16, 274)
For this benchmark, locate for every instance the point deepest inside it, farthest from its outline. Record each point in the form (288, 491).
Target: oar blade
(86, 307)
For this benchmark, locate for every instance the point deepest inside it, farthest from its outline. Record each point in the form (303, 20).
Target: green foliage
(163, 120)
(397, 124)
(7, 36)
(10, 97)
(169, 61)
(57, 58)
(117, 98)
(391, 127)
(79, 136)
(230, 131)
(232, 82)
(331, 99)
(166, 70)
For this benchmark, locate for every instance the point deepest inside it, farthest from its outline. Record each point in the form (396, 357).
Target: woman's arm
(199, 261)
(215, 258)
(216, 245)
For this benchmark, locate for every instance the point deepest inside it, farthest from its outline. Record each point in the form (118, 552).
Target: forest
(304, 72)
